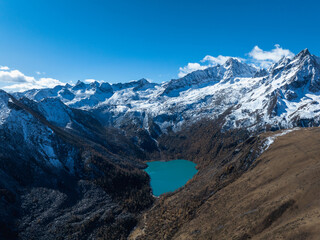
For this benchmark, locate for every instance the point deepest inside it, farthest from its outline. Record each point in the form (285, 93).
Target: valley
(277, 197)
(72, 157)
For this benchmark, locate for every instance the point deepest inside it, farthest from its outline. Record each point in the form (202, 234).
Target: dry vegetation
(277, 197)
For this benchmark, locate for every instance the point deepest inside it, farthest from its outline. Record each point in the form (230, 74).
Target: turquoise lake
(169, 176)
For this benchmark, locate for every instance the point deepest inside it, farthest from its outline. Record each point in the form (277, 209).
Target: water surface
(169, 176)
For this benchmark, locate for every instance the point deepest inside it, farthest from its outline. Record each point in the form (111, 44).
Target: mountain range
(76, 152)
(283, 96)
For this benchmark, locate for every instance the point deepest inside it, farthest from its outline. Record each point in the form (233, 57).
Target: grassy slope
(277, 198)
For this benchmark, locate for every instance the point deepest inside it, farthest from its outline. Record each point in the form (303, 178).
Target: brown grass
(277, 198)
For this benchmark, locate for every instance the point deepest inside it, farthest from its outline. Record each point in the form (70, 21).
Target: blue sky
(119, 41)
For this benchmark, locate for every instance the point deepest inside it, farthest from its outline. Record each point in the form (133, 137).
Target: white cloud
(4, 68)
(14, 76)
(48, 82)
(191, 67)
(218, 60)
(210, 62)
(257, 58)
(90, 80)
(266, 58)
(17, 81)
(35, 84)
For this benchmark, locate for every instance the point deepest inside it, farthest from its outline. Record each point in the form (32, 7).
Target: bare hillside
(278, 197)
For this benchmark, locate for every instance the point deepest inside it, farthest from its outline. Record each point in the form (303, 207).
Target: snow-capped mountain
(76, 143)
(57, 162)
(231, 69)
(32, 138)
(283, 96)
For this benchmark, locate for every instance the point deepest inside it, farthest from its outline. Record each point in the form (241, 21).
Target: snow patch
(270, 140)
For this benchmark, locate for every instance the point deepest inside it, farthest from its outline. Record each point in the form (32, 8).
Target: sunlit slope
(277, 199)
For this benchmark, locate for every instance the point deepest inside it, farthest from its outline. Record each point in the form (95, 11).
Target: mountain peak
(78, 82)
(143, 80)
(236, 68)
(3, 95)
(105, 87)
(95, 84)
(79, 85)
(306, 51)
(140, 81)
(231, 60)
(303, 53)
(3, 92)
(233, 63)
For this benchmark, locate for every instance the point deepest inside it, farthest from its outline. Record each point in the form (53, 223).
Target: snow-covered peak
(66, 94)
(105, 87)
(305, 52)
(136, 85)
(95, 84)
(301, 73)
(79, 82)
(80, 86)
(55, 111)
(143, 81)
(4, 109)
(236, 68)
(232, 68)
(283, 96)
(3, 94)
(279, 65)
(195, 79)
